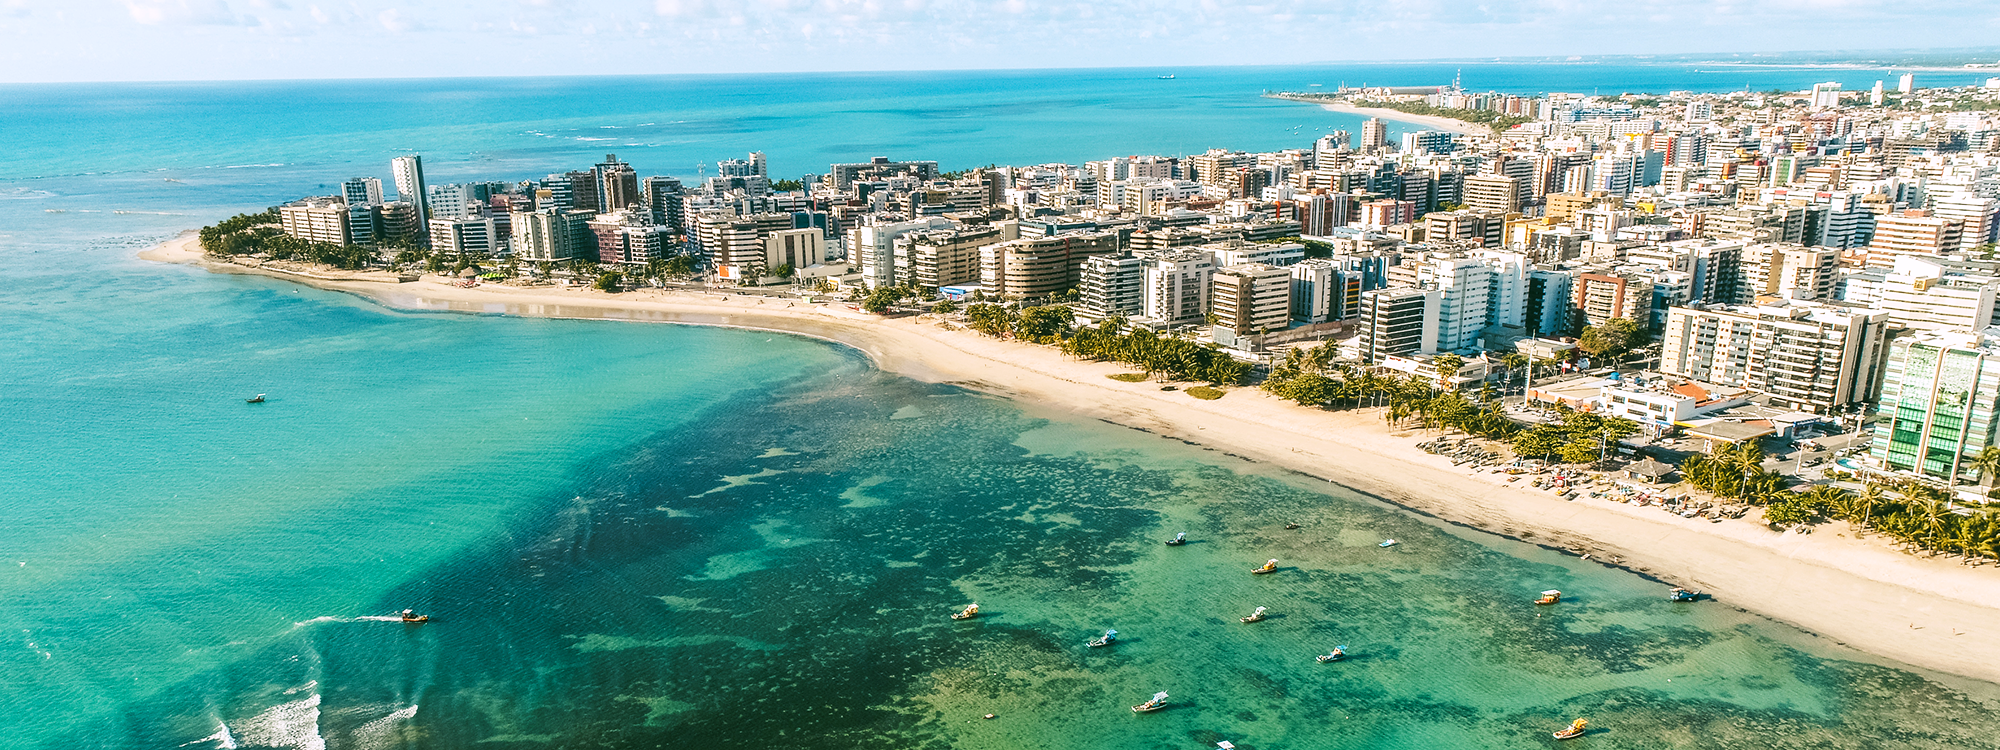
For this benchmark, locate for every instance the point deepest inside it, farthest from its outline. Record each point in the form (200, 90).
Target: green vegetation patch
(1205, 393)
(1128, 377)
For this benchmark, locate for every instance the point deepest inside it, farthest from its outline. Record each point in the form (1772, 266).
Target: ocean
(639, 535)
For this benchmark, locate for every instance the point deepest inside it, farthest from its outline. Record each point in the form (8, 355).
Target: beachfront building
(794, 248)
(408, 174)
(1938, 403)
(947, 257)
(362, 191)
(1251, 298)
(471, 236)
(1398, 321)
(317, 220)
(1112, 285)
(1810, 357)
(551, 235)
(1036, 268)
(1175, 285)
(872, 245)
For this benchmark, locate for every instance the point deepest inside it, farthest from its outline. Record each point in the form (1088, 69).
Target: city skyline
(120, 40)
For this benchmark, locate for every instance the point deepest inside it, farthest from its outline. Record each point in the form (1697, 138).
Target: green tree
(881, 299)
(787, 186)
(1987, 463)
(783, 271)
(989, 319)
(1046, 324)
(1611, 338)
(944, 306)
(1446, 366)
(609, 281)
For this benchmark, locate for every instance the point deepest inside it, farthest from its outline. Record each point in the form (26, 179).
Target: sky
(114, 40)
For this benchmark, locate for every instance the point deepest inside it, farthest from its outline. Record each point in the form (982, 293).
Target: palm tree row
(1734, 472)
(1143, 348)
(1917, 515)
(1311, 377)
(252, 234)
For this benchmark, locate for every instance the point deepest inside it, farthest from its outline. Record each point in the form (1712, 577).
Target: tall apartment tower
(758, 166)
(408, 171)
(1374, 135)
(1907, 84)
(362, 191)
(617, 185)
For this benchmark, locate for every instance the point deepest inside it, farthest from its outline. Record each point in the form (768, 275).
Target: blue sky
(69, 40)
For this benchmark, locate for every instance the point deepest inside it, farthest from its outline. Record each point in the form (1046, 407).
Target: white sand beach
(1433, 122)
(1928, 612)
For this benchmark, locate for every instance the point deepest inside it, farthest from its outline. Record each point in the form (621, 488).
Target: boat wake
(222, 739)
(292, 725)
(382, 733)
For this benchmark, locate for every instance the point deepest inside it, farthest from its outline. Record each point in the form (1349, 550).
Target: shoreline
(1433, 122)
(1860, 593)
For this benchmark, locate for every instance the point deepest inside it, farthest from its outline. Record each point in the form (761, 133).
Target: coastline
(1433, 122)
(1925, 612)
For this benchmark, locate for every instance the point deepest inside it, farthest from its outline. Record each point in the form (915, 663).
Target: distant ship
(1167, 77)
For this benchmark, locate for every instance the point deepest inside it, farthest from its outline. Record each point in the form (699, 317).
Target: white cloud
(393, 20)
(168, 12)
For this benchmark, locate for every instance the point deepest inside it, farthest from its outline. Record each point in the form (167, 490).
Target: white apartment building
(316, 220)
(1811, 357)
(1176, 285)
(873, 247)
(1929, 293)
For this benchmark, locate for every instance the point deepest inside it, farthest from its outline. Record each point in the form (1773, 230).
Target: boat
(1683, 595)
(258, 400)
(1573, 731)
(410, 615)
(1256, 616)
(1158, 702)
(1109, 637)
(1178, 540)
(1167, 77)
(1387, 543)
(970, 611)
(1550, 596)
(1291, 526)
(1338, 653)
(1270, 566)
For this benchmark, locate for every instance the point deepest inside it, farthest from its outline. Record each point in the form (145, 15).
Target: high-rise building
(947, 257)
(1599, 297)
(317, 220)
(1826, 95)
(468, 236)
(1810, 357)
(1786, 271)
(551, 235)
(872, 246)
(1937, 294)
(1912, 232)
(1112, 285)
(1036, 268)
(1322, 291)
(362, 191)
(1250, 298)
(1428, 142)
(1907, 83)
(1978, 216)
(1175, 285)
(664, 197)
(617, 185)
(1875, 95)
(798, 248)
(1939, 404)
(408, 172)
(1398, 321)
(1374, 135)
(1493, 192)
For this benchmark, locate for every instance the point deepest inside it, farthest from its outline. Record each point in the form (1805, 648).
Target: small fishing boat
(1683, 595)
(258, 400)
(1291, 526)
(410, 615)
(1109, 637)
(1550, 596)
(1167, 77)
(1573, 731)
(1270, 566)
(1338, 653)
(1387, 543)
(1257, 616)
(970, 611)
(1178, 540)
(1158, 702)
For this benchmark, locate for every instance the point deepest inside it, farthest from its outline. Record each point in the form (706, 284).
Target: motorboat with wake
(1550, 596)
(1109, 637)
(970, 611)
(411, 616)
(1387, 543)
(258, 400)
(1158, 702)
(1573, 731)
(1270, 566)
(1178, 540)
(1339, 652)
(1257, 616)
(1683, 595)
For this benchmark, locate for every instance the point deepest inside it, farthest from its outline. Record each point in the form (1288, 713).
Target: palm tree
(1987, 463)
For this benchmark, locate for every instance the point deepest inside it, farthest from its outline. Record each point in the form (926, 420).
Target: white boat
(1387, 543)
(1256, 616)
(1158, 702)
(970, 611)
(1338, 653)
(1109, 637)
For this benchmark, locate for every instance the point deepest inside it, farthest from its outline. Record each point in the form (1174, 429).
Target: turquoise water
(661, 536)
